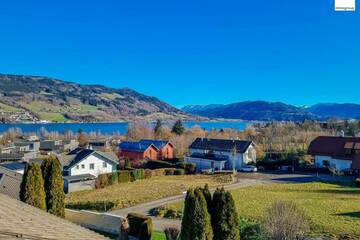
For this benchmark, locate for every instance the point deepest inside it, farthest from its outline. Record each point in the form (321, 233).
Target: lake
(110, 128)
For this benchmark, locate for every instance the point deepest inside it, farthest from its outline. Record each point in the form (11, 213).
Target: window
(92, 166)
(326, 163)
(77, 166)
(104, 165)
(82, 166)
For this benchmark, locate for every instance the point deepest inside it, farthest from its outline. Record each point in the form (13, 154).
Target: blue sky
(189, 52)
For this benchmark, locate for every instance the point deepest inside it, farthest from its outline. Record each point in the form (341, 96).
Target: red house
(146, 149)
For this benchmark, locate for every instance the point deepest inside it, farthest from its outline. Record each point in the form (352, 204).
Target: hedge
(187, 166)
(100, 206)
(169, 171)
(179, 172)
(140, 226)
(124, 176)
(137, 174)
(155, 164)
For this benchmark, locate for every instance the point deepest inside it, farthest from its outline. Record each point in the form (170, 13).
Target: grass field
(333, 210)
(129, 194)
(7, 108)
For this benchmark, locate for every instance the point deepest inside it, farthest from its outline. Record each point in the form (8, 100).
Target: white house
(82, 166)
(341, 153)
(221, 154)
(87, 161)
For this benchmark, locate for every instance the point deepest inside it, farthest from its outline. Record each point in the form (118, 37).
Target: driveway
(243, 180)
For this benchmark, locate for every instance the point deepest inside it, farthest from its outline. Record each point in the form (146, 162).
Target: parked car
(248, 169)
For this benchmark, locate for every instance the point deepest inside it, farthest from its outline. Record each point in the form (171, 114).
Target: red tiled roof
(334, 147)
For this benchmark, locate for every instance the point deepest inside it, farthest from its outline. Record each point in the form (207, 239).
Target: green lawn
(333, 210)
(158, 236)
(7, 108)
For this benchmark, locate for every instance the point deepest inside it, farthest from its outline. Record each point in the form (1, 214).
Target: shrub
(155, 164)
(188, 166)
(179, 172)
(285, 221)
(112, 178)
(171, 233)
(137, 174)
(250, 231)
(146, 230)
(102, 181)
(169, 171)
(149, 173)
(124, 176)
(140, 226)
(165, 212)
(357, 182)
(225, 178)
(158, 172)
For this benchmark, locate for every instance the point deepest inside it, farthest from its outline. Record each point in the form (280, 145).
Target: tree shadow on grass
(350, 214)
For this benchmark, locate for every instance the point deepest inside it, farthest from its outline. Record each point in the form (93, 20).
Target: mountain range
(34, 98)
(275, 111)
(41, 98)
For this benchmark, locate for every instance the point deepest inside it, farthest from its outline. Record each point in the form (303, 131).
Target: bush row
(125, 176)
(189, 168)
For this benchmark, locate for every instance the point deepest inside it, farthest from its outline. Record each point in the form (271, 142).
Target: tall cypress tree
(208, 198)
(54, 186)
(32, 187)
(187, 230)
(178, 128)
(224, 217)
(196, 222)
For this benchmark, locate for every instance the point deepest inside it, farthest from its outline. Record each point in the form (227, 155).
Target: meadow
(333, 210)
(129, 194)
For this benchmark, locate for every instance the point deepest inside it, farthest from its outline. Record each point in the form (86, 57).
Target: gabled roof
(80, 154)
(10, 182)
(22, 221)
(157, 143)
(220, 145)
(334, 147)
(135, 146)
(13, 166)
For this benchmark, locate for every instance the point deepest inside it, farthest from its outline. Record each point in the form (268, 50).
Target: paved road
(244, 180)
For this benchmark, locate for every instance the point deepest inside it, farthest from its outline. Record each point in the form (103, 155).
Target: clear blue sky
(189, 52)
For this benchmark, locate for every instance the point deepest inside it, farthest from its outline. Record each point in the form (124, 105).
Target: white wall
(98, 166)
(203, 164)
(334, 163)
(240, 159)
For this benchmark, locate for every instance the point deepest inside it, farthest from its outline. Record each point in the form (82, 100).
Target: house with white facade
(221, 154)
(341, 153)
(81, 166)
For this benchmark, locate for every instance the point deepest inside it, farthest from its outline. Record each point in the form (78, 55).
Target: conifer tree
(208, 198)
(224, 217)
(32, 187)
(196, 223)
(54, 186)
(178, 128)
(158, 128)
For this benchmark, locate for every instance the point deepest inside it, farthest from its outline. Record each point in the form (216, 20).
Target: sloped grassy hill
(56, 100)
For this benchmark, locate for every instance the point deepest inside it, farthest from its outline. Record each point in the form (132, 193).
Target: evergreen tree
(196, 223)
(158, 128)
(208, 198)
(187, 230)
(54, 186)
(178, 128)
(32, 187)
(224, 217)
